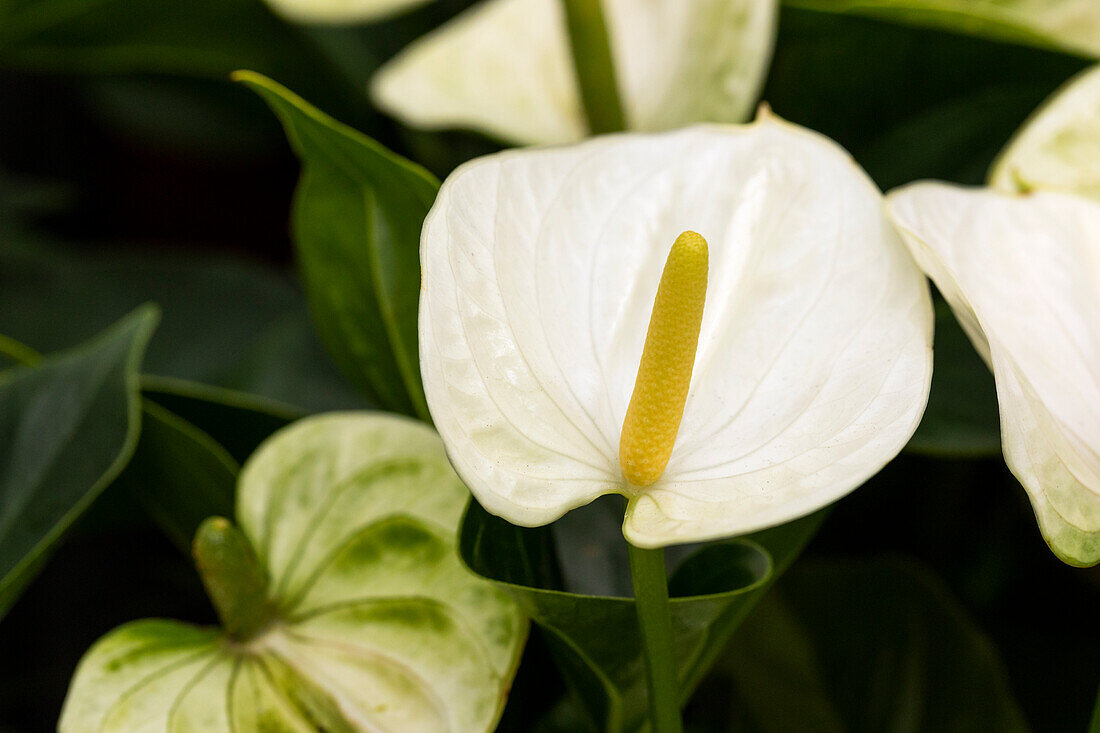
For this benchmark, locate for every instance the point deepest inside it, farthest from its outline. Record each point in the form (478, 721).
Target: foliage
(126, 428)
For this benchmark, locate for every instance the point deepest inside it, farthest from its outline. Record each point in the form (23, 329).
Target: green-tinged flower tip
(233, 577)
(345, 603)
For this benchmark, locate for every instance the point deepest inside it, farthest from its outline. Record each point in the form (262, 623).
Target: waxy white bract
(539, 273)
(1022, 274)
(1059, 147)
(340, 11)
(504, 67)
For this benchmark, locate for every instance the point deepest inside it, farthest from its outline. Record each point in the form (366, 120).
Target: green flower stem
(1094, 726)
(595, 68)
(17, 352)
(647, 570)
(234, 580)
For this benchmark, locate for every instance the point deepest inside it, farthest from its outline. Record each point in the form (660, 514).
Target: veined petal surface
(340, 11)
(539, 273)
(1021, 273)
(380, 627)
(504, 67)
(1058, 149)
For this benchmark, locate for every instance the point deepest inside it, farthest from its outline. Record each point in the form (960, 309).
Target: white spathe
(340, 11)
(1058, 149)
(540, 269)
(1022, 274)
(504, 67)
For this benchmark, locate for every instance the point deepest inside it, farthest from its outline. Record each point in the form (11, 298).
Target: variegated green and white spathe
(1021, 273)
(504, 67)
(539, 273)
(1070, 25)
(341, 11)
(1059, 147)
(379, 625)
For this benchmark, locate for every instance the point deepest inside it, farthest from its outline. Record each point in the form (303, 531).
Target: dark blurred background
(115, 161)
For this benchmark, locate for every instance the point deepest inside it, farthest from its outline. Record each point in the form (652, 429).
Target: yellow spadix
(664, 374)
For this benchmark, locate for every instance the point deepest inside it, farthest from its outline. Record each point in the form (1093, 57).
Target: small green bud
(234, 579)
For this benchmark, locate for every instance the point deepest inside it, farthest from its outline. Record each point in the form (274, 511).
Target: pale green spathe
(504, 67)
(379, 625)
(1058, 149)
(1069, 25)
(1021, 274)
(340, 11)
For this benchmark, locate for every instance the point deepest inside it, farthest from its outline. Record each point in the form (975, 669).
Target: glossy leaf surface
(226, 321)
(179, 474)
(206, 38)
(357, 217)
(712, 592)
(67, 427)
(864, 647)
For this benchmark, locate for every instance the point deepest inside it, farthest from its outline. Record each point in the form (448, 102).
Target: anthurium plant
(650, 365)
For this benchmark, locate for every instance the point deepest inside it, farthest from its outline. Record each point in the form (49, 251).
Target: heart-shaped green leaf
(179, 474)
(357, 216)
(226, 321)
(239, 422)
(67, 427)
(152, 37)
(595, 639)
(865, 646)
(369, 621)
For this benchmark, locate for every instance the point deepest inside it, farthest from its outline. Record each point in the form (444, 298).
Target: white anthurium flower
(1021, 273)
(340, 11)
(809, 364)
(505, 67)
(1059, 147)
(345, 606)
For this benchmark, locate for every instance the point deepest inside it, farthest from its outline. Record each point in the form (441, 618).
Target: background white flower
(1022, 274)
(504, 67)
(539, 274)
(341, 11)
(1058, 149)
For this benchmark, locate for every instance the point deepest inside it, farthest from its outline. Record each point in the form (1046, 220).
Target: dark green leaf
(962, 418)
(207, 38)
(237, 421)
(865, 646)
(357, 219)
(595, 639)
(1011, 21)
(908, 102)
(227, 322)
(179, 474)
(67, 427)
